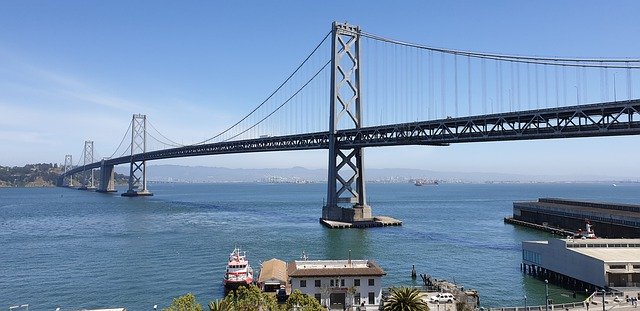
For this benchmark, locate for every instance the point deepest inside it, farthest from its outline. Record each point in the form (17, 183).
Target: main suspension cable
(270, 96)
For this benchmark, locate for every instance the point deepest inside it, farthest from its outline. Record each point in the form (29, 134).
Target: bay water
(75, 249)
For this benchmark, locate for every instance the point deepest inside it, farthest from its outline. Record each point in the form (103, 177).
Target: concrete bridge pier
(107, 179)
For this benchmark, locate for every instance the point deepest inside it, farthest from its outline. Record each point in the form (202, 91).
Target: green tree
(405, 299)
(247, 299)
(302, 302)
(186, 302)
(219, 305)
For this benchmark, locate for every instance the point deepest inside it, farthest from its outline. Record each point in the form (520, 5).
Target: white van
(442, 297)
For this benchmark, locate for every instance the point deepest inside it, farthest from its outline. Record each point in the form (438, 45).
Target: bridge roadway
(602, 119)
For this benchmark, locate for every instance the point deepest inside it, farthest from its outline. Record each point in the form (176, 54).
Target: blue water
(75, 249)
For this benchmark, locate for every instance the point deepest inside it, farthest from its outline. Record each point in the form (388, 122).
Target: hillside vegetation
(39, 175)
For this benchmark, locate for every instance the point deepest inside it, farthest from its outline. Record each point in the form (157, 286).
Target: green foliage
(252, 299)
(302, 302)
(219, 305)
(405, 299)
(186, 302)
(42, 175)
(249, 298)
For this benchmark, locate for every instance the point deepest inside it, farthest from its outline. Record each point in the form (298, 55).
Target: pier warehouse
(611, 220)
(584, 263)
(339, 284)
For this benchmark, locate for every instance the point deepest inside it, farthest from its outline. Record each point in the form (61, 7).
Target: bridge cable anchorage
(270, 95)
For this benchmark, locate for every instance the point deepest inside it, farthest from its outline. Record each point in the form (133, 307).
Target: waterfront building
(610, 220)
(585, 263)
(339, 284)
(273, 275)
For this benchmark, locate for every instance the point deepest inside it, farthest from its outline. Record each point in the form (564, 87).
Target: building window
(372, 298)
(332, 283)
(636, 267)
(318, 283)
(342, 282)
(372, 282)
(356, 299)
(617, 267)
(318, 297)
(303, 283)
(356, 282)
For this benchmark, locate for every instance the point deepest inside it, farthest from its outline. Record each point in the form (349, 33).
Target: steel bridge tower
(87, 182)
(68, 165)
(137, 170)
(346, 178)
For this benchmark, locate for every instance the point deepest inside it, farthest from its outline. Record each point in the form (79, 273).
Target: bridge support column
(346, 170)
(67, 180)
(87, 180)
(107, 178)
(137, 169)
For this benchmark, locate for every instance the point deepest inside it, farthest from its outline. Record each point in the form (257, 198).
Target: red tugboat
(239, 272)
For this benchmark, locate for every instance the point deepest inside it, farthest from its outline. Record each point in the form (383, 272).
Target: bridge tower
(87, 182)
(137, 170)
(346, 178)
(68, 165)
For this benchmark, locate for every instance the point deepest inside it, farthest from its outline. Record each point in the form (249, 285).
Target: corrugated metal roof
(273, 269)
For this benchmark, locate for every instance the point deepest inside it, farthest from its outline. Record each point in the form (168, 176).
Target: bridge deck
(603, 119)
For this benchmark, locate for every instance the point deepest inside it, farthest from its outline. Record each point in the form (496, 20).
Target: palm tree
(218, 305)
(405, 299)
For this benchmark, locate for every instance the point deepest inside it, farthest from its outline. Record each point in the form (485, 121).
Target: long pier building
(609, 220)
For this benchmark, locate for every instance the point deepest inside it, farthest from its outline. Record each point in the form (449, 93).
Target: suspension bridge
(357, 90)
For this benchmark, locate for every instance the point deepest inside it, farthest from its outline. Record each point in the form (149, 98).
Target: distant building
(339, 284)
(273, 275)
(596, 262)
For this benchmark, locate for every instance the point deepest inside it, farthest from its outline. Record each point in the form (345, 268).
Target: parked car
(442, 297)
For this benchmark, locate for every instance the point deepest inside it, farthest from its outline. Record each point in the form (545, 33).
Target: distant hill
(30, 175)
(39, 175)
(178, 173)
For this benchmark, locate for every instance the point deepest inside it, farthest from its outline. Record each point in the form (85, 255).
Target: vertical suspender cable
(629, 91)
(484, 86)
(469, 82)
(431, 88)
(443, 87)
(455, 88)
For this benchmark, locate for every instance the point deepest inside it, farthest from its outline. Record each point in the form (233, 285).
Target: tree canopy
(186, 302)
(405, 299)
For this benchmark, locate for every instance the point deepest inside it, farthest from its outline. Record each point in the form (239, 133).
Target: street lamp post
(603, 292)
(525, 302)
(546, 291)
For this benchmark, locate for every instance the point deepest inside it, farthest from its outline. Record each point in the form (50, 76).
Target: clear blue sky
(76, 70)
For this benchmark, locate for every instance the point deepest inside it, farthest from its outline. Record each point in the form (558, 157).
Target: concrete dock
(377, 221)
